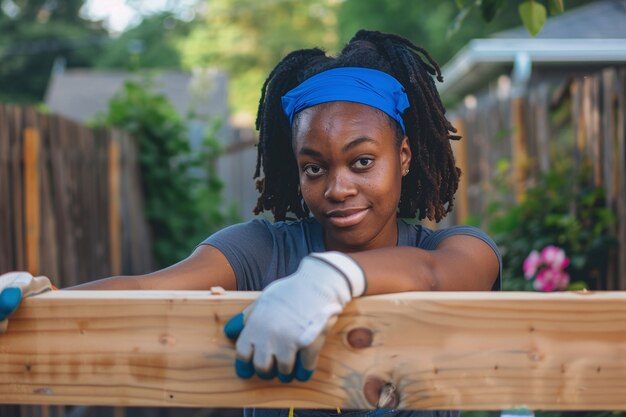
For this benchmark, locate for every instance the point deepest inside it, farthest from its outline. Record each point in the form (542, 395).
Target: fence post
(518, 147)
(32, 203)
(621, 190)
(113, 173)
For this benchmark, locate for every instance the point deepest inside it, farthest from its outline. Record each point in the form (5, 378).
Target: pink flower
(531, 263)
(554, 257)
(549, 279)
(550, 264)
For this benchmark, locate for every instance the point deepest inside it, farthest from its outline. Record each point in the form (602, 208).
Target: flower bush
(562, 213)
(547, 268)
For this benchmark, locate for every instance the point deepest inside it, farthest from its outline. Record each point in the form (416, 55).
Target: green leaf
(533, 15)
(556, 7)
(489, 8)
(577, 286)
(458, 21)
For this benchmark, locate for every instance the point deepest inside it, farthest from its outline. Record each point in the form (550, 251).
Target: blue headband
(359, 85)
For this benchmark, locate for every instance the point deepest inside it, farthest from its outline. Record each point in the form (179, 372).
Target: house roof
(80, 94)
(590, 35)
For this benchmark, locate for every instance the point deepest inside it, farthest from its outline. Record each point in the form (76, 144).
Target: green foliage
(533, 15)
(489, 8)
(248, 37)
(556, 6)
(33, 37)
(151, 44)
(181, 206)
(561, 209)
(439, 27)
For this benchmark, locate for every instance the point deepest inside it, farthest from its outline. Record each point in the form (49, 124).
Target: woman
(348, 145)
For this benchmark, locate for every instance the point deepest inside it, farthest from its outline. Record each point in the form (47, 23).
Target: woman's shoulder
(260, 228)
(432, 238)
(426, 238)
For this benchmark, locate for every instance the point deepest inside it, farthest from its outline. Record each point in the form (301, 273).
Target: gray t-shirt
(260, 252)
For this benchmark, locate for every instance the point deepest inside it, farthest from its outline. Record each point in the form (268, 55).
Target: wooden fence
(578, 117)
(70, 200)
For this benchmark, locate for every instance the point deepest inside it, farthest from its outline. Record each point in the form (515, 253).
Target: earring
(406, 171)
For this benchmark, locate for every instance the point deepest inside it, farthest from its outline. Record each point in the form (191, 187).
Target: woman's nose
(339, 187)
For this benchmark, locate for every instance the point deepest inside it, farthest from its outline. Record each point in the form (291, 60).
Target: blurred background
(126, 128)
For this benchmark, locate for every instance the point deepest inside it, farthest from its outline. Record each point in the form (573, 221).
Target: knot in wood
(44, 391)
(534, 355)
(360, 337)
(380, 393)
(166, 339)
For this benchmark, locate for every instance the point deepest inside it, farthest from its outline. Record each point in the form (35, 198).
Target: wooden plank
(141, 251)
(621, 163)
(32, 203)
(609, 164)
(49, 239)
(519, 152)
(578, 121)
(455, 350)
(61, 174)
(16, 141)
(595, 132)
(113, 170)
(543, 134)
(6, 204)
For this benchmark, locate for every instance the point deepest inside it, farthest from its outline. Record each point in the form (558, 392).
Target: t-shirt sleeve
(247, 247)
(431, 239)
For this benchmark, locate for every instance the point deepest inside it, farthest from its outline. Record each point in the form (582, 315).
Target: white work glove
(13, 287)
(284, 329)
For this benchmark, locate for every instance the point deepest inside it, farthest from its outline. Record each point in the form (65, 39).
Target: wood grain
(32, 203)
(519, 148)
(114, 207)
(467, 351)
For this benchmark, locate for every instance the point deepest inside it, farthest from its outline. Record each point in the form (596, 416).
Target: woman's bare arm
(206, 267)
(460, 263)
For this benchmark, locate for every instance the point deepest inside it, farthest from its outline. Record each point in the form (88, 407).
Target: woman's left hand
(282, 332)
(13, 287)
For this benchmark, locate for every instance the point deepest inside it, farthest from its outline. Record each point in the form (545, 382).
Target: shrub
(181, 207)
(562, 209)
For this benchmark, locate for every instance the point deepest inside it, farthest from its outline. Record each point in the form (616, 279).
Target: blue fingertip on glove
(267, 375)
(232, 329)
(301, 373)
(245, 370)
(234, 326)
(285, 378)
(10, 299)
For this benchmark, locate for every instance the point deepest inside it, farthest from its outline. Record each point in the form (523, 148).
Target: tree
(426, 23)
(154, 43)
(35, 33)
(248, 37)
(532, 13)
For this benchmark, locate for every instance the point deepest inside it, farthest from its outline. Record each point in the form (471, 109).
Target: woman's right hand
(13, 287)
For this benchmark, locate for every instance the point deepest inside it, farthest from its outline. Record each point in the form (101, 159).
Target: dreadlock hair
(427, 191)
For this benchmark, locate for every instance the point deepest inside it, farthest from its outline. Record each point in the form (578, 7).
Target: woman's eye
(313, 170)
(363, 163)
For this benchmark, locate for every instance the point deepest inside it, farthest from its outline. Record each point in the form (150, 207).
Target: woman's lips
(346, 218)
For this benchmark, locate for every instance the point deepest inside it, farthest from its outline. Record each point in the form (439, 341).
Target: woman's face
(351, 169)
